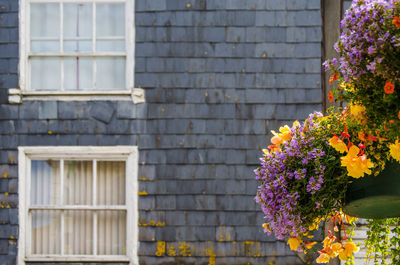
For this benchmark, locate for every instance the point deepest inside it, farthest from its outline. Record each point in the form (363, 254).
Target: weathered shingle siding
(218, 76)
(8, 138)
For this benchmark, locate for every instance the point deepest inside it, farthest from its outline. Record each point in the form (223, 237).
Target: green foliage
(383, 242)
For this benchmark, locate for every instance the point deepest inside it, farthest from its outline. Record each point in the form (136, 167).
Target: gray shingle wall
(8, 154)
(218, 76)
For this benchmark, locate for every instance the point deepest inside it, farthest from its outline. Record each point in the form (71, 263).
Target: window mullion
(62, 203)
(62, 43)
(94, 204)
(28, 190)
(27, 49)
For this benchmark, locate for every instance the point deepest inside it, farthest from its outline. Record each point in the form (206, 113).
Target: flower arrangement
(304, 176)
(307, 170)
(368, 68)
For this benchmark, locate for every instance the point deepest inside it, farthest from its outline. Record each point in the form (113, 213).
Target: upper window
(70, 46)
(78, 204)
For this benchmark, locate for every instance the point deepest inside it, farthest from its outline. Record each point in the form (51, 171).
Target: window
(78, 204)
(76, 47)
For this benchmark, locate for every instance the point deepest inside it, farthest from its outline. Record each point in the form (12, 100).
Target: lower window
(78, 204)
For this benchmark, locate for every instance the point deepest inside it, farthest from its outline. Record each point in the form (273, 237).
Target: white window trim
(122, 153)
(130, 93)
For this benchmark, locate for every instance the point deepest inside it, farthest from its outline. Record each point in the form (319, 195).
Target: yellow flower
(328, 241)
(309, 244)
(338, 144)
(323, 258)
(356, 165)
(348, 250)
(350, 219)
(315, 224)
(357, 109)
(281, 137)
(265, 151)
(395, 150)
(294, 243)
(336, 248)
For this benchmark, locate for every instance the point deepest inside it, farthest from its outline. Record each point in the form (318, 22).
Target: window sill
(78, 258)
(137, 95)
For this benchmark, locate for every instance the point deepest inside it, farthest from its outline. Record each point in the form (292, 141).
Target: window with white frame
(76, 46)
(78, 204)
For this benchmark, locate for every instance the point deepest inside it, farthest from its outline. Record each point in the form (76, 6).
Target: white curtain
(111, 224)
(78, 225)
(45, 190)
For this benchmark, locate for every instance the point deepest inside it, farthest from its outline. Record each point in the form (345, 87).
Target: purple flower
(287, 176)
(371, 67)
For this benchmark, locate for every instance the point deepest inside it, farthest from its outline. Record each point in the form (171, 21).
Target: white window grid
(128, 154)
(26, 54)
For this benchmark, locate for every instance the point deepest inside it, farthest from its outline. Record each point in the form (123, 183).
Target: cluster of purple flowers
(290, 176)
(368, 36)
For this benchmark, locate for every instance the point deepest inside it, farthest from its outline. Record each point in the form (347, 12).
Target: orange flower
(274, 148)
(330, 96)
(348, 249)
(333, 78)
(389, 87)
(396, 22)
(399, 115)
(323, 258)
(276, 140)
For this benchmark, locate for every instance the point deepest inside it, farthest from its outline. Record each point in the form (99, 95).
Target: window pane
(110, 45)
(111, 233)
(110, 20)
(78, 235)
(78, 73)
(110, 183)
(45, 182)
(78, 182)
(45, 73)
(46, 236)
(45, 20)
(110, 73)
(77, 20)
(77, 46)
(45, 46)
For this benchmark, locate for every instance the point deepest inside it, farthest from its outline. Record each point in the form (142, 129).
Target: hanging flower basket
(375, 196)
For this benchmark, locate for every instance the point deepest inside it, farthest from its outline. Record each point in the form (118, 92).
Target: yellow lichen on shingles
(209, 252)
(258, 250)
(185, 250)
(160, 248)
(145, 179)
(252, 248)
(11, 159)
(153, 223)
(171, 250)
(248, 248)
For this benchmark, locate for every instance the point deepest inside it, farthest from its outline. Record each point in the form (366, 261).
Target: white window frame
(129, 154)
(130, 93)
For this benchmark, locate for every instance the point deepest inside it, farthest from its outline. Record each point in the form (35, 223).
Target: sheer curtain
(79, 34)
(80, 226)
